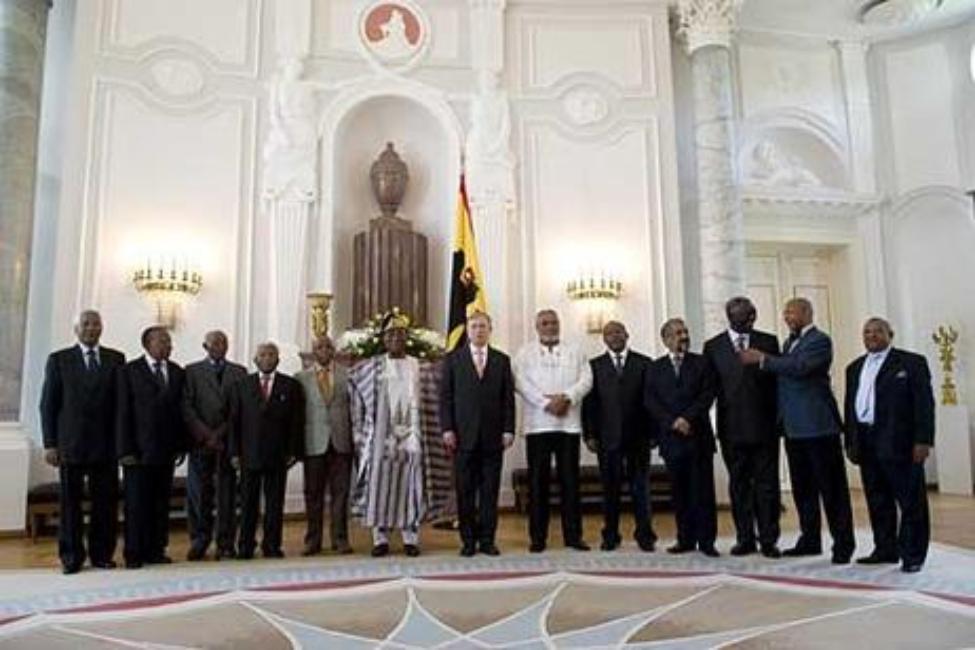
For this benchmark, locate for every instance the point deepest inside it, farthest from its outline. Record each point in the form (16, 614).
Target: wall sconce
(166, 281)
(597, 292)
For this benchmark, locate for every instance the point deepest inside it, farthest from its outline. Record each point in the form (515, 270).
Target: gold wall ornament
(318, 306)
(167, 281)
(945, 338)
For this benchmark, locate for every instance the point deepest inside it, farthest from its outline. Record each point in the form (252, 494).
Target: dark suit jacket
(747, 413)
(807, 407)
(904, 407)
(690, 397)
(265, 434)
(478, 409)
(205, 398)
(150, 420)
(614, 412)
(78, 407)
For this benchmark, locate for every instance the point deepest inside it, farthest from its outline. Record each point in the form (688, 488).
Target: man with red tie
(266, 434)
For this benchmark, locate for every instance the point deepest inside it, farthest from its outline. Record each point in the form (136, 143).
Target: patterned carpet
(557, 600)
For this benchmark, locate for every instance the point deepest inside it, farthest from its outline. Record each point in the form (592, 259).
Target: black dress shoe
(536, 547)
(911, 567)
(878, 558)
(710, 551)
(801, 551)
(411, 550)
(740, 549)
(679, 548)
(578, 545)
(309, 551)
(222, 553)
(771, 551)
(245, 555)
(71, 569)
(196, 553)
(841, 558)
(468, 550)
(380, 550)
(490, 549)
(133, 564)
(609, 545)
(160, 559)
(647, 546)
(104, 564)
(272, 553)
(343, 549)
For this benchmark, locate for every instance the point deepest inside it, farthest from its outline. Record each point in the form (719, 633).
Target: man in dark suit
(151, 439)
(618, 429)
(267, 414)
(210, 473)
(477, 415)
(680, 390)
(890, 431)
(811, 419)
(747, 430)
(78, 420)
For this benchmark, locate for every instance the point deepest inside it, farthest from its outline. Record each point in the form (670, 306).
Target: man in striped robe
(402, 475)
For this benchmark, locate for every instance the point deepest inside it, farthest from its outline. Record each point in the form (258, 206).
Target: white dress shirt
(866, 399)
(734, 336)
(84, 354)
(162, 364)
(540, 371)
(483, 351)
(270, 383)
(622, 358)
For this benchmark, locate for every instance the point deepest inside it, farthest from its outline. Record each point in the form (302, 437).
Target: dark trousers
(210, 477)
(477, 479)
(252, 483)
(565, 447)
(147, 491)
(695, 508)
(615, 465)
(755, 492)
(888, 485)
(329, 472)
(818, 473)
(103, 523)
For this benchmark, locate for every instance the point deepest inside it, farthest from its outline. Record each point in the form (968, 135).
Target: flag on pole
(466, 281)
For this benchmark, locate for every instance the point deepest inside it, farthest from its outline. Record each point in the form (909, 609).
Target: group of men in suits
(99, 412)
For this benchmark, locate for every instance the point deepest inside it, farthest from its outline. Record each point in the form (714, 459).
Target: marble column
(23, 25)
(707, 27)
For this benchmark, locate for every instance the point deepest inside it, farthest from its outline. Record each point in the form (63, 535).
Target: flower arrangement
(367, 341)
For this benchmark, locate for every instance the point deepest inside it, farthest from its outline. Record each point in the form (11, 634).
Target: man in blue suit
(811, 419)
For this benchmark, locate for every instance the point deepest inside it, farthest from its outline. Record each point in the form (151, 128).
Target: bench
(43, 507)
(591, 488)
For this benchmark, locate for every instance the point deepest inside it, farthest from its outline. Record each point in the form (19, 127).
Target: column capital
(498, 5)
(707, 22)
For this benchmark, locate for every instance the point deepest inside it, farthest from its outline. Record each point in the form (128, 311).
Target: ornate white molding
(707, 22)
(818, 202)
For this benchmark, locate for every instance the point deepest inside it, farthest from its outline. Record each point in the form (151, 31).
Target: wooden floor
(953, 522)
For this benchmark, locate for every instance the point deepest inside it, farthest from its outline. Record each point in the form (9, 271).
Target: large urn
(389, 259)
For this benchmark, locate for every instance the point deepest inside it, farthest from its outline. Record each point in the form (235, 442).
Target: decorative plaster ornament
(394, 34)
(585, 106)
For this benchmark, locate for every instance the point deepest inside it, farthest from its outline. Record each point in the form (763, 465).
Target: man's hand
(127, 461)
(450, 442)
(558, 405)
(52, 457)
(180, 459)
(683, 426)
(507, 440)
(751, 356)
(235, 462)
(921, 453)
(592, 444)
(290, 461)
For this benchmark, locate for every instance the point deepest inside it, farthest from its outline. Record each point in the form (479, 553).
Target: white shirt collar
(85, 348)
(733, 335)
(482, 348)
(152, 362)
(271, 375)
(553, 350)
(882, 355)
(623, 354)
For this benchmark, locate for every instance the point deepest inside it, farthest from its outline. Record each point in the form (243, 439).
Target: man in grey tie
(210, 474)
(890, 431)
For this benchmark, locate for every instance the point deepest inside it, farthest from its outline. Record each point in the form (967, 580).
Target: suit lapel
(890, 366)
(728, 357)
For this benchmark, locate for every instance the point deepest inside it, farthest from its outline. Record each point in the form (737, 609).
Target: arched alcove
(429, 148)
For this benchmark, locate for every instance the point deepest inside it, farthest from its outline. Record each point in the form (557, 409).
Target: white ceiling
(839, 18)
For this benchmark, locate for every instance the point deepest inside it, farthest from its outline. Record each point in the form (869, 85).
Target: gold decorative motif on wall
(945, 338)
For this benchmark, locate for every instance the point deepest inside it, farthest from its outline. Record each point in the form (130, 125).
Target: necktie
(92, 361)
(678, 359)
(218, 369)
(265, 387)
(324, 378)
(865, 408)
(619, 363)
(157, 371)
(479, 361)
(741, 342)
(791, 342)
